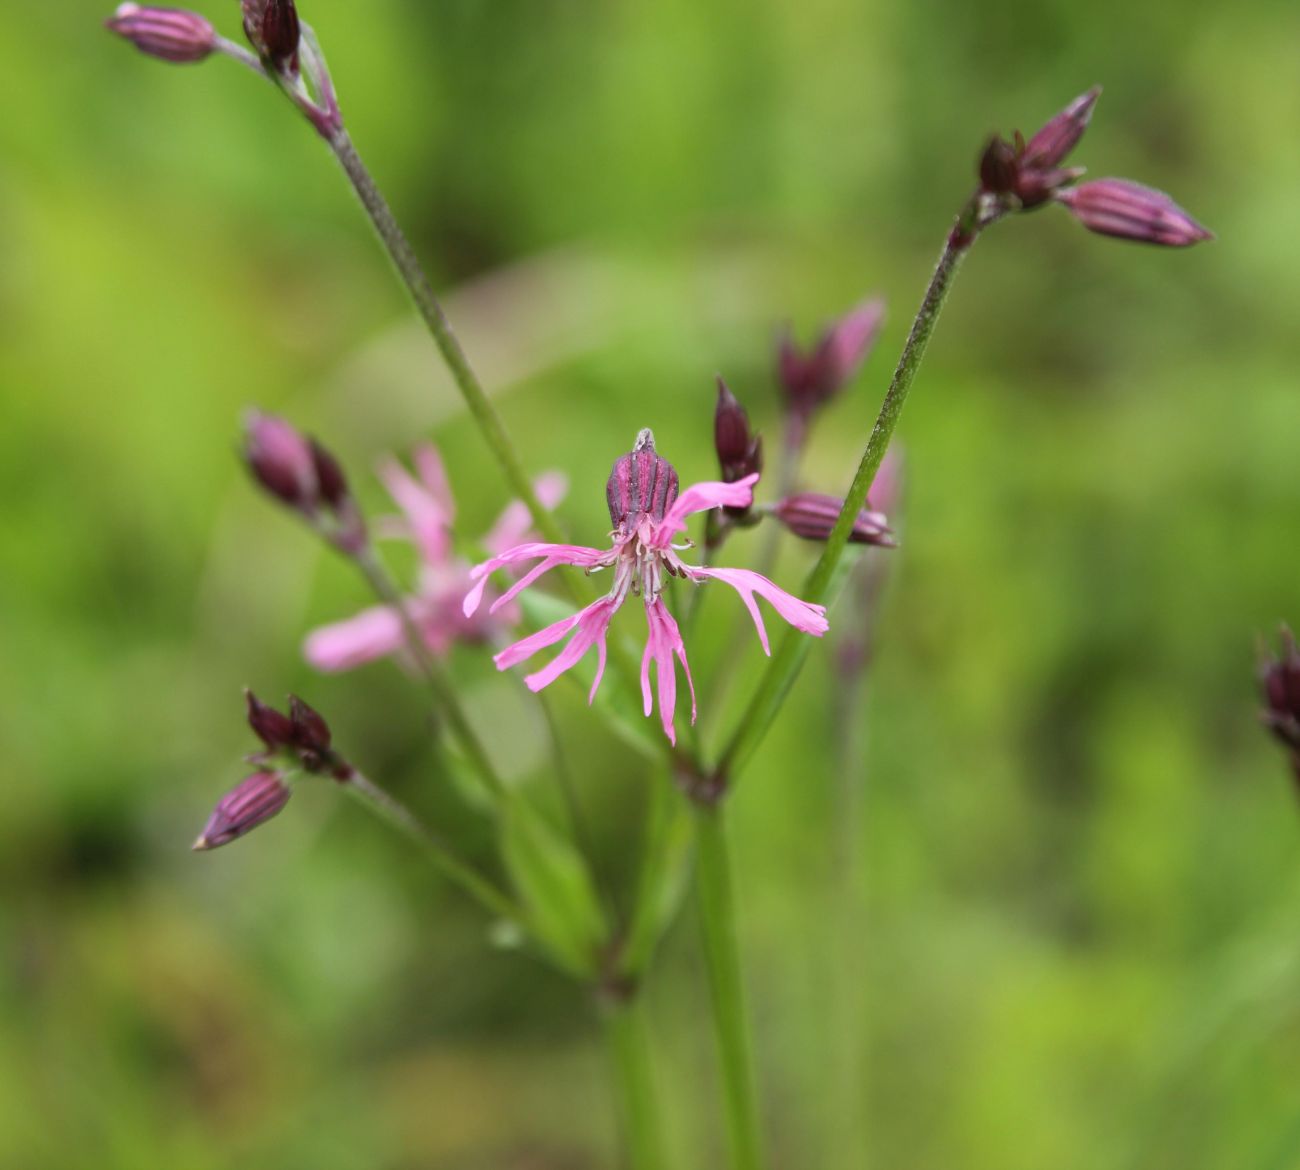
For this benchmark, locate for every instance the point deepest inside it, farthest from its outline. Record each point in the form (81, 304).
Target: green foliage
(1071, 940)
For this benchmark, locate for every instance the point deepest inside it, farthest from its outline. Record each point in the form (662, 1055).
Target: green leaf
(665, 870)
(556, 887)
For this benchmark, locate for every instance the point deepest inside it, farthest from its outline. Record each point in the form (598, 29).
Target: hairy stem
(458, 871)
(435, 319)
(716, 898)
(789, 657)
(627, 1033)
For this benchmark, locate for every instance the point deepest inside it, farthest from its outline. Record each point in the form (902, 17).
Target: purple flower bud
(1049, 147)
(812, 516)
(331, 481)
(999, 166)
(274, 729)
(1130, 211)
(1280, 682)
(1027, 174)
(811, 379)
(283, 460)
(170, 34)
(299, 472)
(740, 453)
(310, 731)
(273, 30)
(255, 799)
(641, 483)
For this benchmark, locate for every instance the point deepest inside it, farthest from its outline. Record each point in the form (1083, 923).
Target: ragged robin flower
(647, 512)
(428, 512)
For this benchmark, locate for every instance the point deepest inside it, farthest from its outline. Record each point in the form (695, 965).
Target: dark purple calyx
(642, 483)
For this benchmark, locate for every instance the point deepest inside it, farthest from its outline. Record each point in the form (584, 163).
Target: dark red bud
(1280, 683)
(641, 483)
(812, 516)
(331, 482)
(253, 801)
(998, 167)
(1130, 211)
(273, 30)
(274, 729)
(310, 731)
(740, 453)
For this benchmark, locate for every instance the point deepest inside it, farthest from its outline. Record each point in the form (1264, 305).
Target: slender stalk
(444, 693)
(787, 660)
(715, 894)
(476, 399)
(628, 1036)
(431, 311)
(458, 871)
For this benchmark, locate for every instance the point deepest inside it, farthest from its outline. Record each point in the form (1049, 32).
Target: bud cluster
(1280, 682)
(286, 50)
(297, 741)
(303, 475)
(811, 378)
(1019, 175)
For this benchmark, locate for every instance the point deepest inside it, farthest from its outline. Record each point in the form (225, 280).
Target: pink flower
(427, 514)
(647, 513)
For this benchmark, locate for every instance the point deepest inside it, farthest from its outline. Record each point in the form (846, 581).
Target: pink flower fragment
(427, 514)
(647, 513)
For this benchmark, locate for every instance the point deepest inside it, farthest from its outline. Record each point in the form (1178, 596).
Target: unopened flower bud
(1130, 211)
(809, 379)
(310, 731)
(273, 728)
(812, 516)
(169, 34)
(256, 799)
(999, 166)
(299, 472)
(1027, 174)
(740, 452)
(1050, 146)
(282, 459)
(641, 483)
(273, 30)
(1280, 683)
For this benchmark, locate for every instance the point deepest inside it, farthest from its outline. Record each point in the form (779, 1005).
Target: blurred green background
(1071, 937)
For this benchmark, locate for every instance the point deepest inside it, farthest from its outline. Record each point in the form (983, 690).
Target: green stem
(431, 311)
(714, 889)
(789, 657)
(460, 872)
(443, 691)
(476, 399)
(628, 1035)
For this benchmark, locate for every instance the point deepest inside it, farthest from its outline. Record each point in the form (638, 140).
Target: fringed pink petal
(428, 517)
(699, 497)
(525, 648)
(371, 634)
(589, 625)
(433, 474)
(555, 554)
(663, 643)
(514, 524)
(803, 615)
